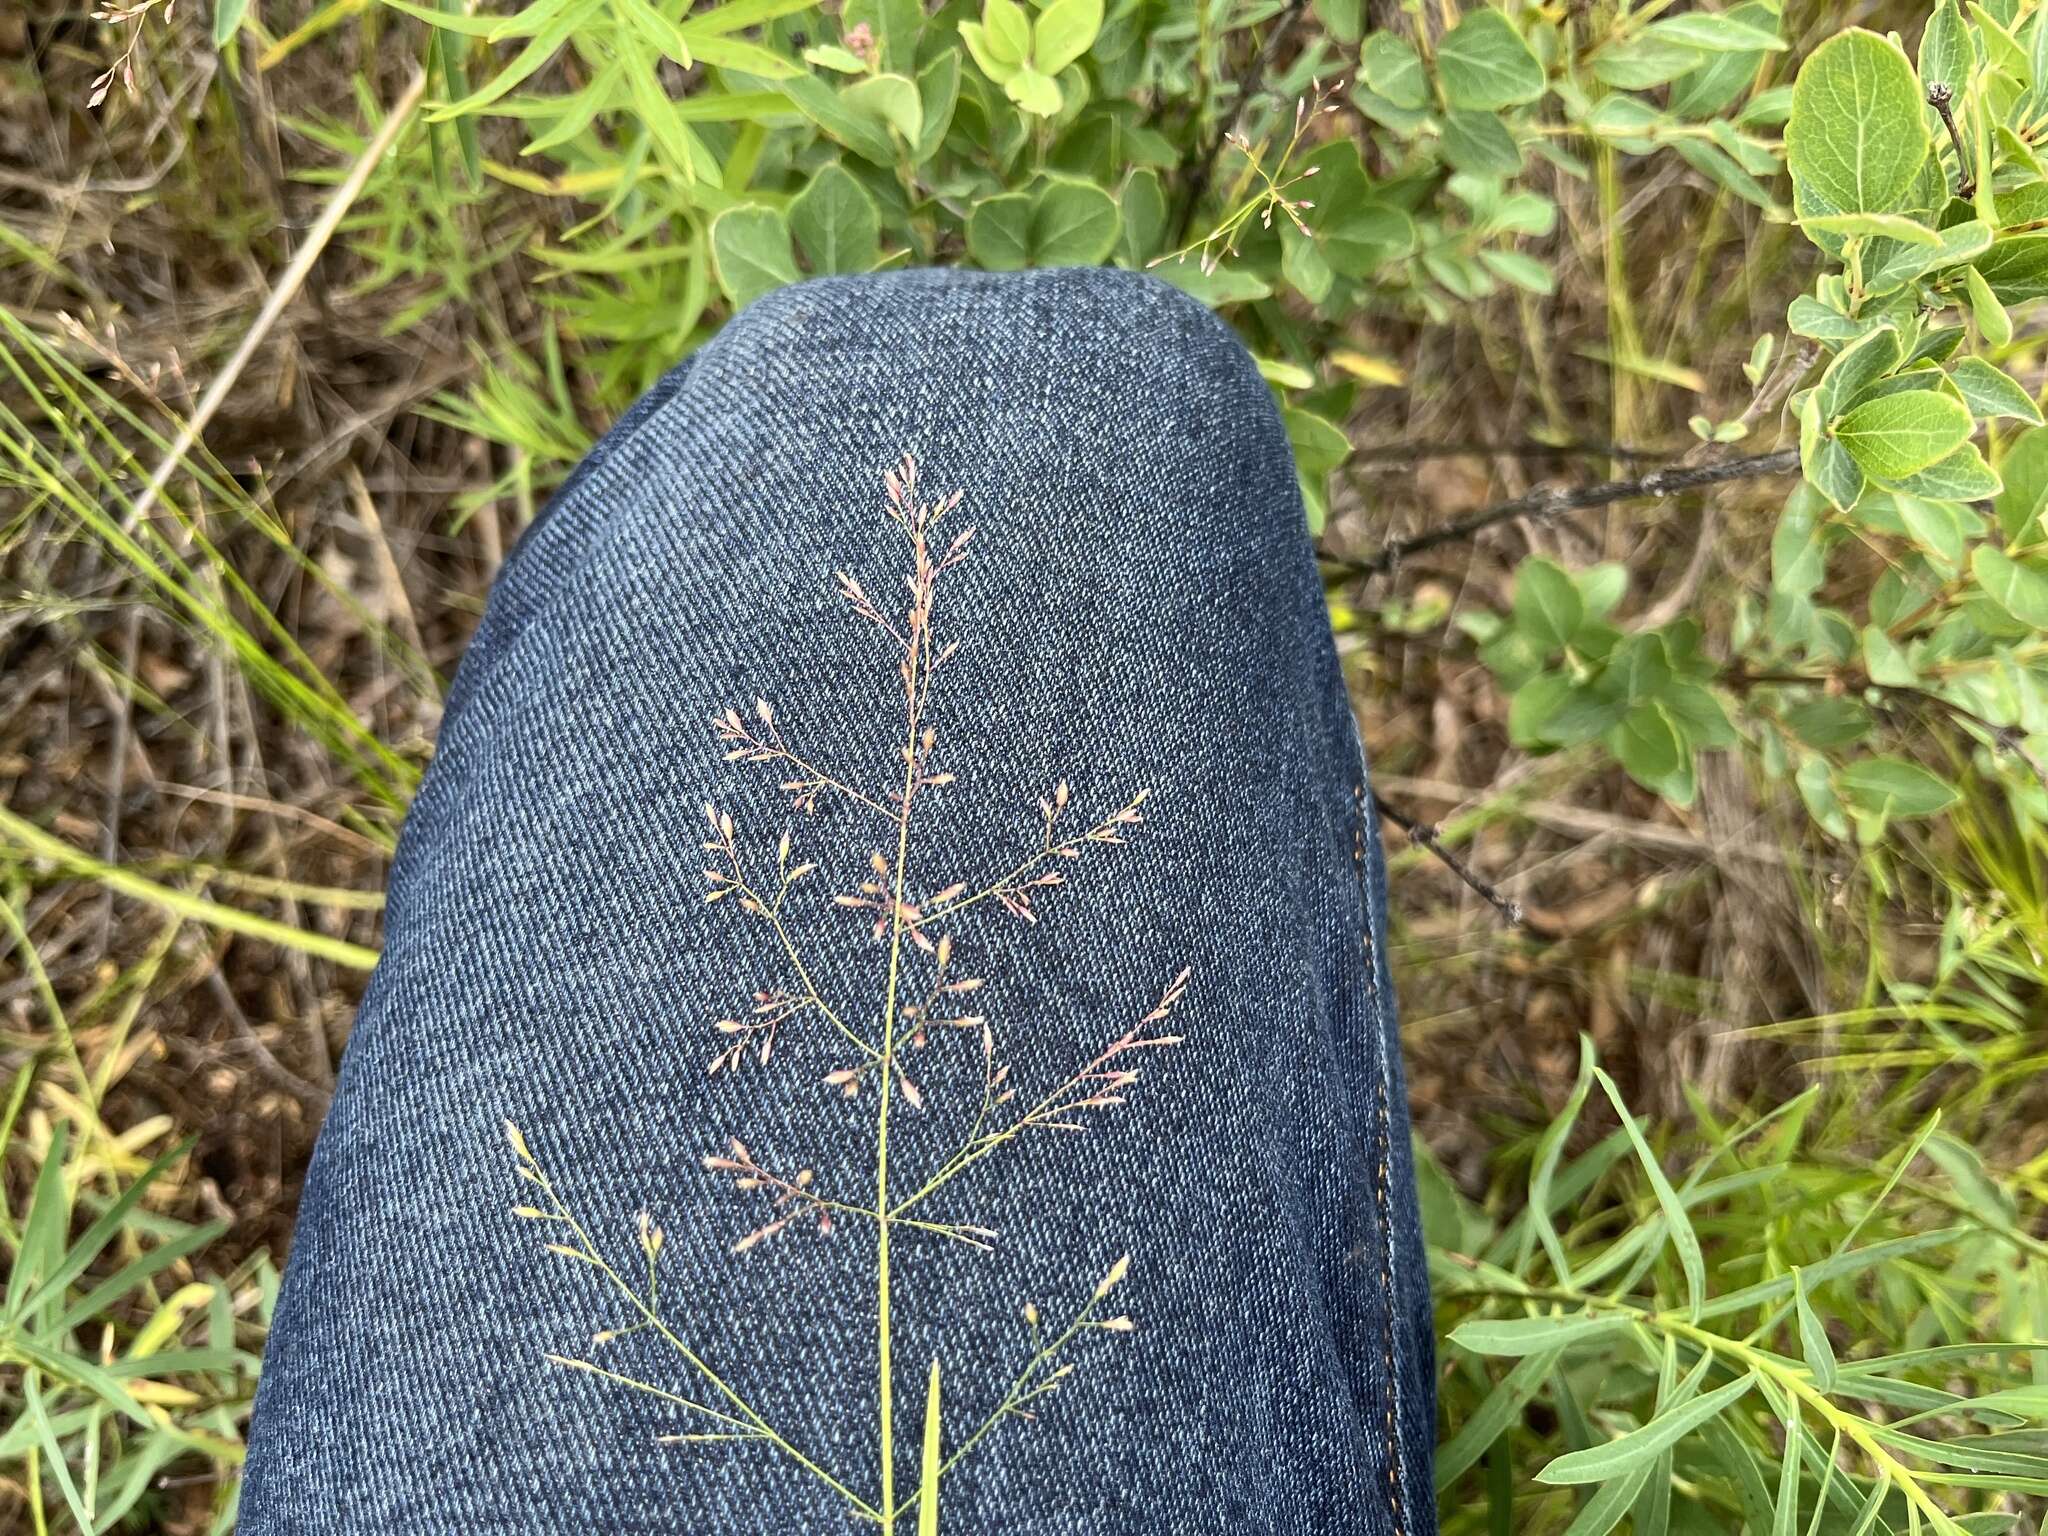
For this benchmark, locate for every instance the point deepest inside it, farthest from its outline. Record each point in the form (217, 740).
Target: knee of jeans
(1116, 447)
(1077, 406)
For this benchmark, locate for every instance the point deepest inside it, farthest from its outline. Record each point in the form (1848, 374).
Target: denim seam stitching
(1397, 1458)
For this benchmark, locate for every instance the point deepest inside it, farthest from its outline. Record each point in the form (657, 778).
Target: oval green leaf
(1894, 435)
(1856, 139)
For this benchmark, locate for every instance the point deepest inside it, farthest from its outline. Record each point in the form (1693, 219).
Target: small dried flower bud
(1118, 1325)
(518, 1141)
(1031, 1313)
(1110, 1281)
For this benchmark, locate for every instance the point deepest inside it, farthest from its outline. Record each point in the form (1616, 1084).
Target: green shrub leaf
(1392, 69)
(2024, 469)
(1066, 224)
(1990, 315)
(1962, 476)
(1856, 367)
(2016, 267)
(750, 248)
(1897, 434)
(227, 20)
(836, 223)
(1074, 225)
(1895, 788)
(1479, 142)
(891, 100)
(1547, 604)
(1715, 33)
(987, 57)
(1006, 27)
(1143, 206)
(1036, 93)
(1598, 1463)
(1856, 139)
(2020, 589)
(1945, 51)
(1813, 1336)
(1483, 64)
(1690, 1260)
(1065, 30)
(1990, 391)
(999, 232)
(1536, 1335)
(1874, 226)
(1643, 62)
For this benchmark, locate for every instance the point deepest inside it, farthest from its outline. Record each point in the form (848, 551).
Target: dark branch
(1553, 502)
(1939, 97)
(1415, 453)
(1426, 836)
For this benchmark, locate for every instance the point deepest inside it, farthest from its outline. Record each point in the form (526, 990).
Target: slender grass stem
(912, 664)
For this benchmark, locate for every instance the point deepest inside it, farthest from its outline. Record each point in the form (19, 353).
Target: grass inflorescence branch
(923, 993)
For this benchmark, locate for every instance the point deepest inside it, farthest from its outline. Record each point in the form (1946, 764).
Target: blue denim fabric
(1139, 609)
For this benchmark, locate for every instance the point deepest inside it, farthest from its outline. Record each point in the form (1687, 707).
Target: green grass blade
(42, 1230)
(41, 844)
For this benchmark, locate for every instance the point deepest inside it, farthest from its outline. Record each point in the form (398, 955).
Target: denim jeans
(1094, 906)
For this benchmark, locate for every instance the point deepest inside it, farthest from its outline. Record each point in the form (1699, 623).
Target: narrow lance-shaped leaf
(1598, 1463)
(1491, 1419)
(1535, 1335)
(1544, 1168)
(1683, 1238)
(1785, 1517)
(1813, 1336)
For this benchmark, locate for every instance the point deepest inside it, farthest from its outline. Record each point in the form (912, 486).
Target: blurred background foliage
(1663, 388)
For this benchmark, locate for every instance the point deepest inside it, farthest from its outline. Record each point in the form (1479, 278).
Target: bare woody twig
(1553, 501)
(1416, 453)
(1429, 837)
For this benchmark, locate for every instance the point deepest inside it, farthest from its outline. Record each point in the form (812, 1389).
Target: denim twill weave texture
(1140, 609)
